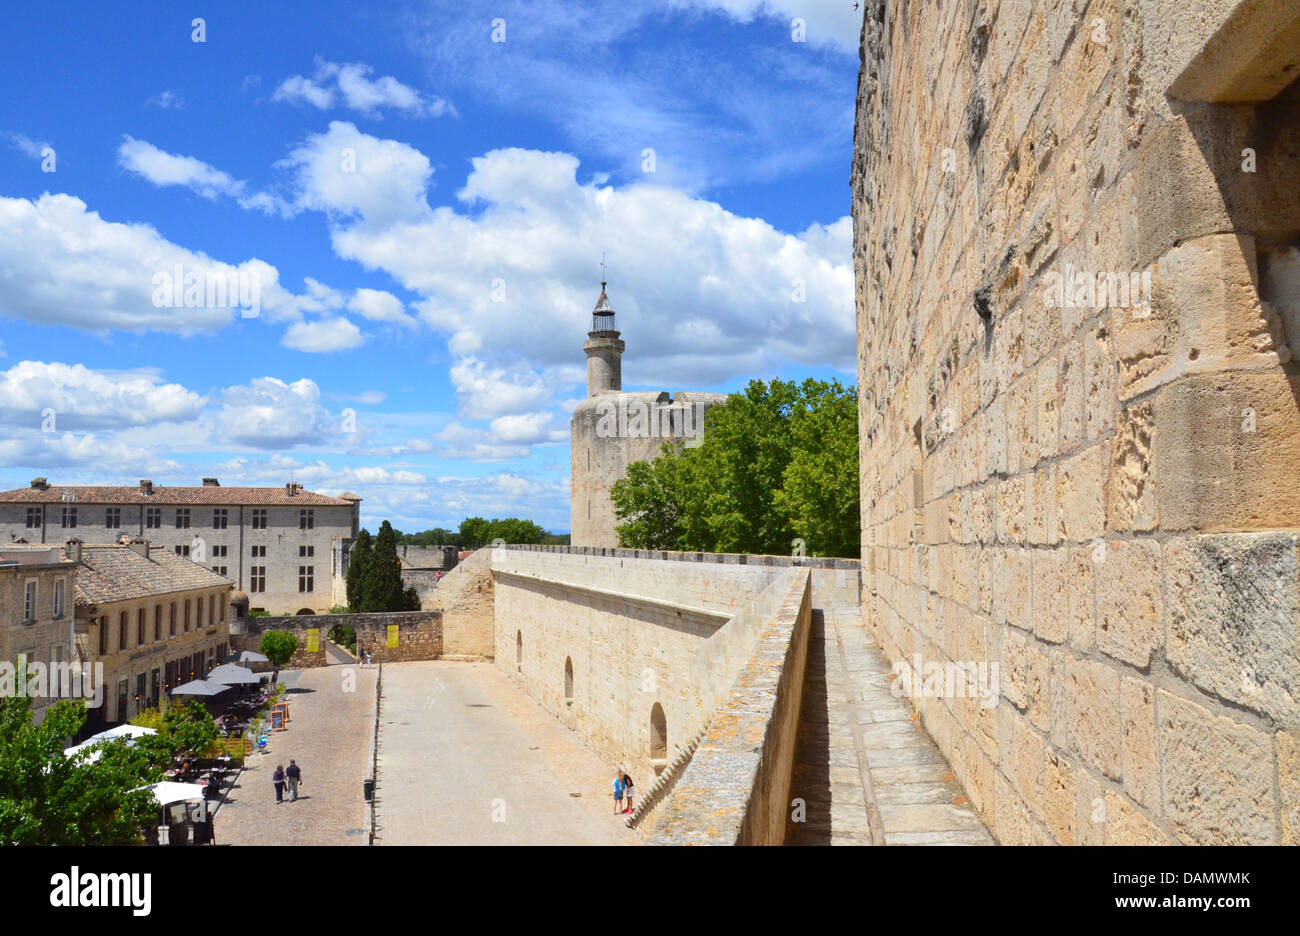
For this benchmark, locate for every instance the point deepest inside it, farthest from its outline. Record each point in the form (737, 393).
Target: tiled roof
(119, 573)
(207, 494)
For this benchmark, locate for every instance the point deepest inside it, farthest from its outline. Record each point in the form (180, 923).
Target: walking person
(628, 790)
(294, 775)
(278, 779)
(618, 792)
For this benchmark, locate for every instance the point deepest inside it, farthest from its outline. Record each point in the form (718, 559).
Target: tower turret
(604, 349)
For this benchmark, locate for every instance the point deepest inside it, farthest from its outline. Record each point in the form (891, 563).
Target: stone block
(1130, 607)
(1141, 758)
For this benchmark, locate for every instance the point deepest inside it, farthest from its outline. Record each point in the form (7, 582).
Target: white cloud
(27, 146)
(323, 336)
(828, 22)
(162, 169)
(380, 306)
(485, 392)
(350, 85)
(269, 413)
(84, 399)
(167, 100)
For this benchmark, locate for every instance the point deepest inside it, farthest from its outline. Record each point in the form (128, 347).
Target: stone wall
(735, 790)
(464, 596)
(1095, 492)
(419, 635)
(606, 643)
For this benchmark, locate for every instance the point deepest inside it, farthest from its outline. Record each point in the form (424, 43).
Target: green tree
(475, 532)
(189, 727)
(279, 647)
(49, 799)
(776, 463)
(358, 569)
(384, 590)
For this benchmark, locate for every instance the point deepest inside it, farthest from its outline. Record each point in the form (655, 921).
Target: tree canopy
(374, 580)
(777, 463)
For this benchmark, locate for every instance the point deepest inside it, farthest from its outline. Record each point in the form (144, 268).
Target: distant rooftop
(122, 573)
(211, 492)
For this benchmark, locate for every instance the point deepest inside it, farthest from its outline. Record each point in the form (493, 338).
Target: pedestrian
(618, 792)
(278, 779)
(369, 660)
(627, 788)
(361, 655)
(294, 773)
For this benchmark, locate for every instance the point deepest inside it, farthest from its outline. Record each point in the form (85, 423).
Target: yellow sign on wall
(392, 636)
(313, 639)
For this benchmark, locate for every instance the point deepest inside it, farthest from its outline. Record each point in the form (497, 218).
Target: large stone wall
(637, 633)
(464, 596)
(419, 634)
(1098, 495)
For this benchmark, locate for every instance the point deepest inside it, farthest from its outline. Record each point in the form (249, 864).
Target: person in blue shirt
(618, 792)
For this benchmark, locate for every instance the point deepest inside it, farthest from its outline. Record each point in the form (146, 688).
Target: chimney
(146, 487)
(40, 484)
(72, 549)
(288, 489)
(139, 545)
(211, 482)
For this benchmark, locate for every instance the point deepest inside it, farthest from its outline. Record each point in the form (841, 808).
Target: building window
(153, 518)
(183, 551)
(103, 636)
(306, 578)
(220, 570)
(157, 623)
(33, 518)
(306, 552)
(219, 552)
(182, 518)
(259, 519)
(69, 518)
(220, 518)
(259, 552)
(58, 600)
(29, 603)
(306, 519)
(171, 626)
(121, 631)
(212, 610)
(139, 628)
(112, 518)
(257, 578)
(187, 615)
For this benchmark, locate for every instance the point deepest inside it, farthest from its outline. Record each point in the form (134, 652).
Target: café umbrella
(199, 687)
(127, 732)
(230, 675)
(252, 656)
(169, 791)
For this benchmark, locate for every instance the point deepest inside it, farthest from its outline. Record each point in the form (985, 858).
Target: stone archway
(658, 739)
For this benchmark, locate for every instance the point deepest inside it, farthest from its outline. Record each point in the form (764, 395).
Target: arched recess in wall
(658, 738)
(519, 651)
(568, 680)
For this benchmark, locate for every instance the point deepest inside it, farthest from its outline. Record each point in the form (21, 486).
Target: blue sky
(415, 199)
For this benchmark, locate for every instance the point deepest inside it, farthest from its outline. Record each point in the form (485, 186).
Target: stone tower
(611, 429)
(604, 349)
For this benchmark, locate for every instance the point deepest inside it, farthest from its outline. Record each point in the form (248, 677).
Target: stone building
(154, 619)
(1077, 256)
(610, 429)
(36, 613)
(424, 566)
(286, 547)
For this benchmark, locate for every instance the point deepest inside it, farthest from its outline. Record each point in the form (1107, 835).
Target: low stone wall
(736, 787)
(465, 598)
(419, 634)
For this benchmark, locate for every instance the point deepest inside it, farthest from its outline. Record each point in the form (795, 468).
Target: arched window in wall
(568, 680)
(658, 739)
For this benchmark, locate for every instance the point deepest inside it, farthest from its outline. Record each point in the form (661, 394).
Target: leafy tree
(777, 462)
(410, 600)
(475, 532)
(279, 647)
(49, 799)
(384, 590)
(190, 727)
(343, 635)
(358, 569)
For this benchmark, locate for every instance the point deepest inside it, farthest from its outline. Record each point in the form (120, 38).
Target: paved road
(329, 735)
(466, 758)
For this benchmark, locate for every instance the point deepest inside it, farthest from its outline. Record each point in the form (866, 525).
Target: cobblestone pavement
(466, 758)
(329, 735)
(865, 768)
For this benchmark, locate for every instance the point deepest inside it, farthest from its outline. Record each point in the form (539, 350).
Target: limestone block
(1130, 608)
(1131, 498)
(1288, 784)
(1080, 490)
(1072, 396)
(1011, 510)
(1099, 383)
(1217, 774)
(1141, 759)
(1084, 65)
(1226, 449)
(1126, 824)
(1051, 595)
(1083, 597)
(1234, 618)
(1048, 409)
(1090, 721)
(1089, 808)
(1059, 797)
